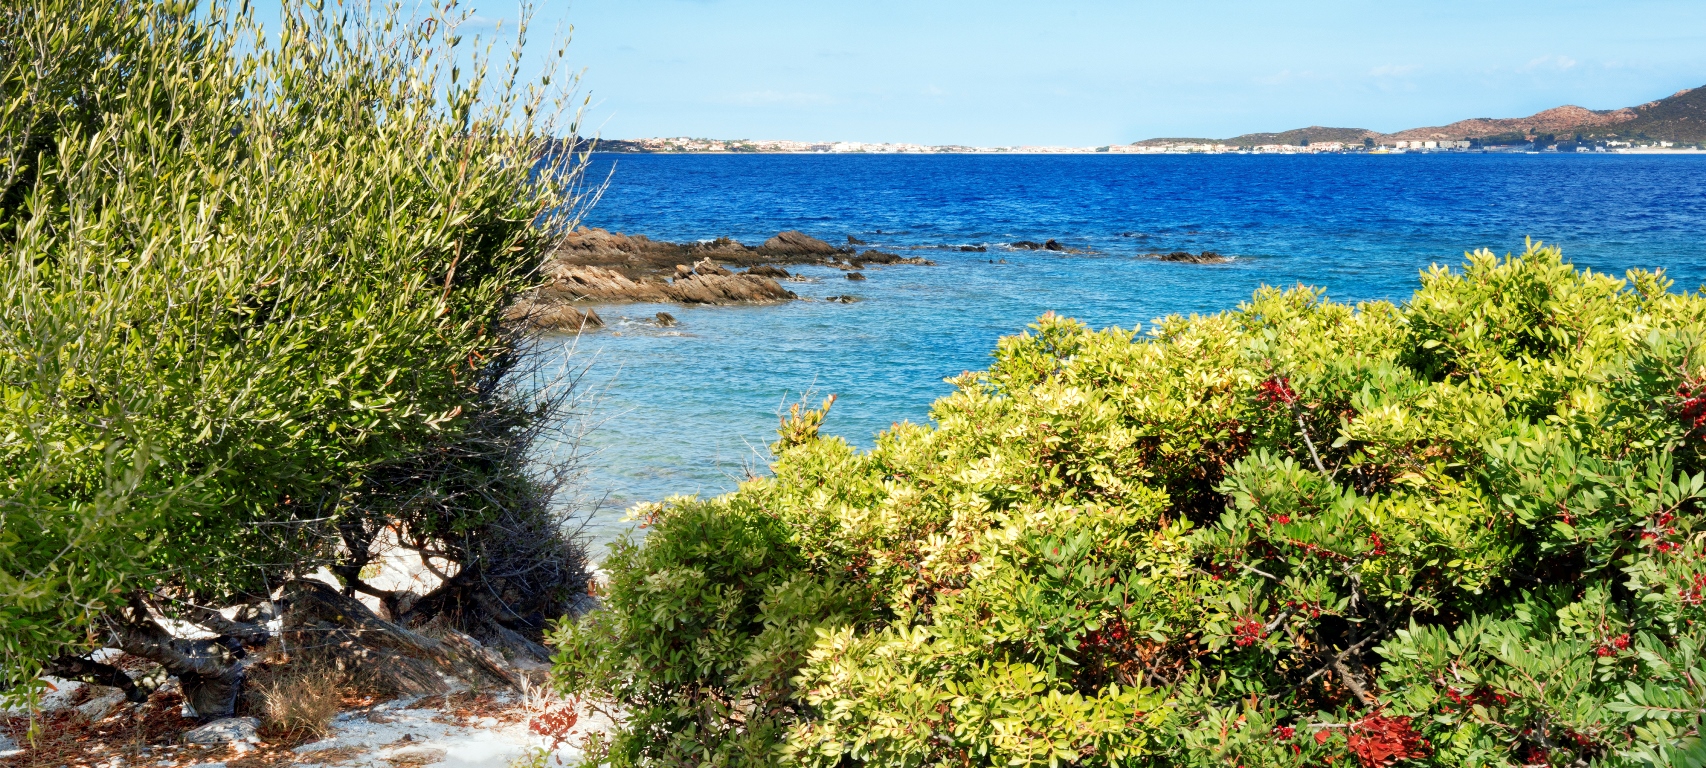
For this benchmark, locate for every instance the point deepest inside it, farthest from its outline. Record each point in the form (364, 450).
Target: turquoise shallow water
(690, 409)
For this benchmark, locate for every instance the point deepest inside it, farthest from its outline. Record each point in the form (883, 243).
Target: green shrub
(1460, 531)
(251, 291)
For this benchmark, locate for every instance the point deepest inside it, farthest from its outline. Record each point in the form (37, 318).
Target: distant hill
(1680, 117)
(1314, 134)
(1558, 120)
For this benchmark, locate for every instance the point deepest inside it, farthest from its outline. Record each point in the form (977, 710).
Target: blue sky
(1091, 72)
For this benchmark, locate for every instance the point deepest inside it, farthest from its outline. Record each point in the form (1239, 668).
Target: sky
(1096, 72)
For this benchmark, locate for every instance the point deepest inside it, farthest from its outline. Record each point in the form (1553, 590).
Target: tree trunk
(209, 674)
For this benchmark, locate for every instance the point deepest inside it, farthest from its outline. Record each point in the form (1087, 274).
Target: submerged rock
(975, 248)
(666, 320)
(1049, 245)
(1186, 257)
(841, 299)
(855, 276)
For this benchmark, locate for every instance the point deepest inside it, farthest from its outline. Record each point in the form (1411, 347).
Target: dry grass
(66, 737)
(296, 700)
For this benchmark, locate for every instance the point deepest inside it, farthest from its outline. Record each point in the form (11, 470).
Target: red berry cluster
(1695, 593)
(1379, 549)
(1693, 407)
(1612, 646)
(1659, 531)
(1379, 741)
(1248, 631)
(1312, 609)
(1280, 519)
(1276, 391)
(1113, 636)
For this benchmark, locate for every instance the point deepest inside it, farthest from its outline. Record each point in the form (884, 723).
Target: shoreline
(1097, 153)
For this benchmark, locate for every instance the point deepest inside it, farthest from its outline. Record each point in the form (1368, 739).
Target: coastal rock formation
(638, 256)
(855, 276)
(1186, 257)
(705, 283)
(794, 243)
(599, 266)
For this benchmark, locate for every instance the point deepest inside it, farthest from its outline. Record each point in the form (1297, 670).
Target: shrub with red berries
(1466, 529)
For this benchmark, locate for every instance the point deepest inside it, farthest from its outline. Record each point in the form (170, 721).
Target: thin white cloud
(1393, 70)
(1557, 63)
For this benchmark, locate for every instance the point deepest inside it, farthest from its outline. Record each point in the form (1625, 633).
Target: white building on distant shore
(1430, 144)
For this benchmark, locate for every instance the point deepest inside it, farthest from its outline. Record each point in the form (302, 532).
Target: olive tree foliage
(252, 289)
(1461, 530)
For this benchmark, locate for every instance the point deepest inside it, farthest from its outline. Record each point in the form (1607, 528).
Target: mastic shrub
(251, 291)
(1460, 530)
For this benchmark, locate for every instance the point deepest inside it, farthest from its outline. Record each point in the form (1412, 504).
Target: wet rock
(855, 276)
(666, 320)
(1052, 246)
(570, 284)
(231, 730)
(840, 299)
(1026, 245)
(877, 257)
(851, 240)
(975, 248)
(765, 270)
(554, 313)
(1186, 257)
(795, 243)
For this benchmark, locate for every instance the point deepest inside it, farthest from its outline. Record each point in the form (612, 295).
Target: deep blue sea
(691, 409)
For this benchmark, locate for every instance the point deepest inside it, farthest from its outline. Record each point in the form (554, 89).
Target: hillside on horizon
(1680, 117)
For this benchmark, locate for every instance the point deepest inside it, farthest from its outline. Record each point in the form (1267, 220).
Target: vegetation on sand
(251, 286)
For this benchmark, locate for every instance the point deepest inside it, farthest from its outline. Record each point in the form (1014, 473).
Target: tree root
(321, 621)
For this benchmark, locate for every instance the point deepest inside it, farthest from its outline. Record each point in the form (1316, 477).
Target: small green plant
(1464, 530)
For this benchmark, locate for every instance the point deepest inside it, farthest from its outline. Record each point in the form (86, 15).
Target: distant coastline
(1673, 125)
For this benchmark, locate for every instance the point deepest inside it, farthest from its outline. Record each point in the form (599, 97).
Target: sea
(692, 409)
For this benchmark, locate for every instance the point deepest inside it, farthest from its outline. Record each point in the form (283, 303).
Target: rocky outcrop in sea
(595, 266)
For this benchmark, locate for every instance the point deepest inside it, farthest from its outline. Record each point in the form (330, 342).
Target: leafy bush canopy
(244, 277)
(1463, 530)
